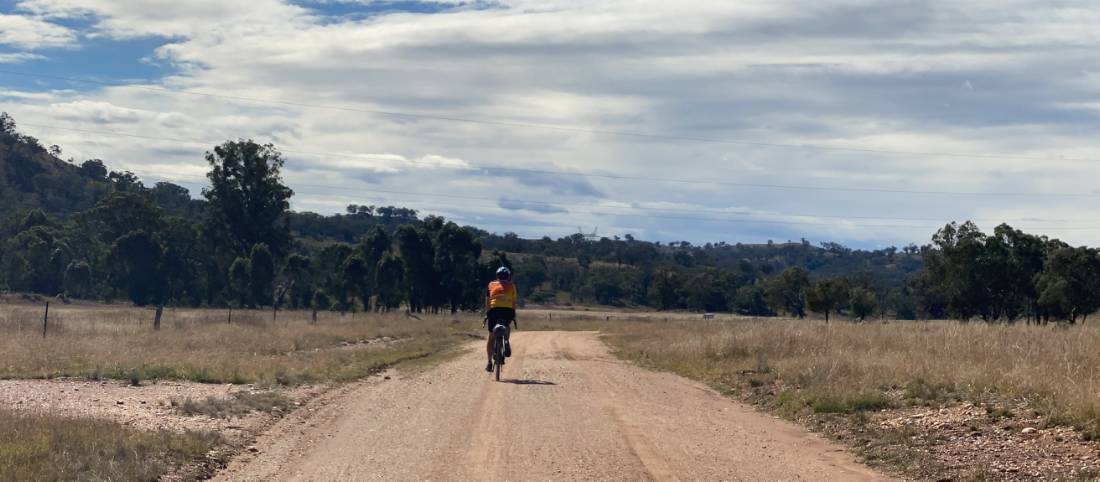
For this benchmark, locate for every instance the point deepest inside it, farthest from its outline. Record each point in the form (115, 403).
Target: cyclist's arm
(515, 304)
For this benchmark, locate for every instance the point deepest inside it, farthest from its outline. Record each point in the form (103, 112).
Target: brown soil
(968, 442)
(567, 410)
(150, 406)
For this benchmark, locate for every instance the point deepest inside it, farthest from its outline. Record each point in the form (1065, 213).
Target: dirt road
(569, 411)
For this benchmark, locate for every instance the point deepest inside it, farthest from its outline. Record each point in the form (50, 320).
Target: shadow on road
(527, 382)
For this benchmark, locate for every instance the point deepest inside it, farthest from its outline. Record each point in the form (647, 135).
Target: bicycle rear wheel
(498, 356)
(499, 362)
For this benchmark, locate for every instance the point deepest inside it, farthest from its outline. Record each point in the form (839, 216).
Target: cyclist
(500, 308)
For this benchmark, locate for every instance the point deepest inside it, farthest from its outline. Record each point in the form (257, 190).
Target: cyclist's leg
(489, 352)
(492, 316)
(510, 318)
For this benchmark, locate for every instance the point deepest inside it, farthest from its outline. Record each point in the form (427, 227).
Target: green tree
(36, 260)
(140, 258)
(356, 280)
(665, 291)
(175, 199)
(751, 300)
(420, 278)
(34, 217)
(1069, 285)
(94, 169)
(239, 273)
(959, 269)
(247, 199)
(321, 301)
(185, 254)
(456, 264)
(705, 291)
(330, 264)
(299, 272)
(863, 302)
(389, 279)
(827, 295)
(371, 248)
(7, 124)
(78, 279)
(122, 213)
(261, 275)
(902, 302)
(1027, 253)
(787, 291)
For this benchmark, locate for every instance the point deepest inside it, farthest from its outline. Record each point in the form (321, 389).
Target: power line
(366, 193)
(558, 204)
(599, 211)
(495, 168)
(686, 218)
(561, 128)
(759, 221)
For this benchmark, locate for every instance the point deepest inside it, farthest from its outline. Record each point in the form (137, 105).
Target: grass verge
(49, 448)
(200, 346)
(240, 403)
(838, 377)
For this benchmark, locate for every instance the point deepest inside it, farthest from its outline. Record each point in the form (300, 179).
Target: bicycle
(500, 332)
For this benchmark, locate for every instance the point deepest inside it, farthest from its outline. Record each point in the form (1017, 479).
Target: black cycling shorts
(500, 316)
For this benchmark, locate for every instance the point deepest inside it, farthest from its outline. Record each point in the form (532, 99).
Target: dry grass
(198, 345)
(96, 341)
(240, 403)
(50, 448)
(849, 368)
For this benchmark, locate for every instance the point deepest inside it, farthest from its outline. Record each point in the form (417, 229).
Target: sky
(867, 123)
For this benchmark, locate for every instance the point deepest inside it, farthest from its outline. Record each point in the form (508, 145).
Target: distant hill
(573, 269)
(32, 177)
(35, 177)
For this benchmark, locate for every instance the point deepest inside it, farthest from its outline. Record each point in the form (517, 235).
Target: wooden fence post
(46, 319)
(156, 319)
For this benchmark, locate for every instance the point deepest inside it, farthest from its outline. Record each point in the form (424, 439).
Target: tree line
(1006, 276)
(84, 231)
(156, 246)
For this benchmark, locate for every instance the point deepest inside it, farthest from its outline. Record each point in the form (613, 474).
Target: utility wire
(588, 212)
(494, 168)
(366, 193)
(370, 193)
(627, 206)
(749, 221)
(561, 128)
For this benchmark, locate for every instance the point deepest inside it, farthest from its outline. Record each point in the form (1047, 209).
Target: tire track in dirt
(565, 410)
(484, 455)
(655, 464)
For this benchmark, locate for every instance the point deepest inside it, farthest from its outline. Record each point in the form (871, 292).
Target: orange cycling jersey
(502, 295)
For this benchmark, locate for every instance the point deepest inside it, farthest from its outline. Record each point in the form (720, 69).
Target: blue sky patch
(354, 10)
(99, 59)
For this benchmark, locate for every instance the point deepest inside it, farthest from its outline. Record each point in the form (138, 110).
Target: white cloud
(32, 33)
(1010, 80)
(19, 57)
(125, 19)
(26, 96)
